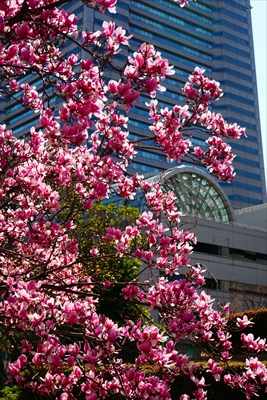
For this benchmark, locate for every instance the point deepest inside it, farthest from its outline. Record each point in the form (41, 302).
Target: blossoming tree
(65, 349)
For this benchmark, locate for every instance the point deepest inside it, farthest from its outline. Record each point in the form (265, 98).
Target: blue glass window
(232, 37)
(173, 19)
(237, 109)
(140, 111)
(235, 4)
(172, 82)
(233, 72)
(13, 108)
(231, 14)
(230, 25)
(173, 95)
(133, 137)
(138, 124)
(186, 11)
(142, 167)
(122, 4)
(237, 85)
(25, 126)
(246, 161)
(232, 48)
(69, 4)
(152, 156)
(244, 199)
(233, 61)
(243, 186)
(19, 117)
(78, 10)
(247, 174)
(198, 142)
(166, 40)
(25, 78)
(239, 98)
(244, 148)
(181, 72)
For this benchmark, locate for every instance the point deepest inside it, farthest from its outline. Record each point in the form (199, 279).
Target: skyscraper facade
(213, 34)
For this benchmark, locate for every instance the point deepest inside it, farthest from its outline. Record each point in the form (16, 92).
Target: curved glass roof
(198, 194)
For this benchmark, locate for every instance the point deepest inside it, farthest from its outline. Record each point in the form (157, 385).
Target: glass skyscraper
(213, 34)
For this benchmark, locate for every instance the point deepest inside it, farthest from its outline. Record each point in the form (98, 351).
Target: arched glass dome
(198, 194)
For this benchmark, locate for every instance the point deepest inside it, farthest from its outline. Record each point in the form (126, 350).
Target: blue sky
(259, 23)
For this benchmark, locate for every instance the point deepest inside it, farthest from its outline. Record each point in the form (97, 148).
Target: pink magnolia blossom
(244, 322)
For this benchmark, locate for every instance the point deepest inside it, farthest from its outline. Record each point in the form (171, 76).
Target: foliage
(60, 261)
(91, 225)
(10, 393)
